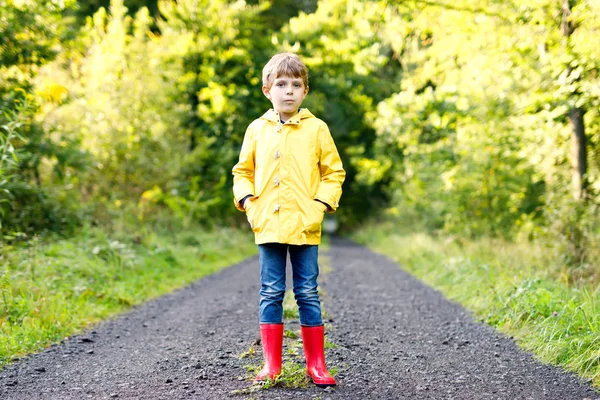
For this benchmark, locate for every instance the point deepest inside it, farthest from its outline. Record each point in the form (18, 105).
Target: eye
(297, 85)
(280, 84)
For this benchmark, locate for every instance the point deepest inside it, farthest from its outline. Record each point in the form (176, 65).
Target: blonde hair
(284, 64)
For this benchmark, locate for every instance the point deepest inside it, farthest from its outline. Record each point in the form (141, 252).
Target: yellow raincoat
(286, 168)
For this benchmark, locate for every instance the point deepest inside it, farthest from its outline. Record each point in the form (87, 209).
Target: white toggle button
(277, 207)
(277, 154)
(276, 181)
(278, 129)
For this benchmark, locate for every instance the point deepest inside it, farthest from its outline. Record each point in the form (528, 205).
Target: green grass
(515, 287)
(290, 308)
(49, 291)
(325, 242)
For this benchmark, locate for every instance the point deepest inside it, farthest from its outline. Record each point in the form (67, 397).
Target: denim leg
(272, 259)
(305, 267)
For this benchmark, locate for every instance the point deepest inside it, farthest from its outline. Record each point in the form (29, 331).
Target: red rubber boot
(272, 341)
(313, 338)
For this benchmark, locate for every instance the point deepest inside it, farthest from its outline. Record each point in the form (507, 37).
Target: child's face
(286, 94)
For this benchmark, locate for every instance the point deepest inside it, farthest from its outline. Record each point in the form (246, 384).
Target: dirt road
(393, 337)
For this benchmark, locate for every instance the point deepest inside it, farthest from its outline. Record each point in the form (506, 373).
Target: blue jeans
(305, 268)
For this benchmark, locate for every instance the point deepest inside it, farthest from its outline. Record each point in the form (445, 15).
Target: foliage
(36, 191)
(120, 106)
(88, 8)
(220, 90)
(26, 206)
(473, 141)
(30, 31)
(571, 234)
(8, 157)
(463, 123)
(476, 139)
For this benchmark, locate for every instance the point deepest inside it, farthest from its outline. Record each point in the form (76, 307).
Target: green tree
(353, 61)
(504, 66)
(88, 8)
(32, 35)
(220, 89)
(121, 105)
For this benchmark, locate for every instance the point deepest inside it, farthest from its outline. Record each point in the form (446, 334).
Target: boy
(289, 173)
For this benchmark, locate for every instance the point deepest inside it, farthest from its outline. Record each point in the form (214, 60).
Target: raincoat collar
(271, 115)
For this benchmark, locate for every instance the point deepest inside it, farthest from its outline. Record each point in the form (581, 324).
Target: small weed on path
(293, 374)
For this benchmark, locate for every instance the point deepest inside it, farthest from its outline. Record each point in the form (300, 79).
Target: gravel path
(396, 339)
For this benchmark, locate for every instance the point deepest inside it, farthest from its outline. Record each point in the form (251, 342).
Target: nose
(288, 89)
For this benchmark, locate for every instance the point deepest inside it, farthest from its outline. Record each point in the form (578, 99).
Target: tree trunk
(36, 174)
(194, 120)
(578, 153)
(578, 141)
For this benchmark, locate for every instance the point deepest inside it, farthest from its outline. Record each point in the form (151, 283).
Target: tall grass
(50, 290)
(514, 287)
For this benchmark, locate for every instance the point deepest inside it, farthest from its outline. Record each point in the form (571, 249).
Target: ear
(305, 92)
(266, 91)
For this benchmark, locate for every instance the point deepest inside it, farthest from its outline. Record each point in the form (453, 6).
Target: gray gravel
(396, 339)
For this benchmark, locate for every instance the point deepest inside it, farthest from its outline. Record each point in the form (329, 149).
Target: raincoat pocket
(315, 217)
(251, 214)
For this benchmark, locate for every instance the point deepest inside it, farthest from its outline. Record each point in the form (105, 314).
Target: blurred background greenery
(474, 123)
(470, 119)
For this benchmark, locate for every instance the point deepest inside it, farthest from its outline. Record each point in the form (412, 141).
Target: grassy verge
(52, 290)
(513, 287)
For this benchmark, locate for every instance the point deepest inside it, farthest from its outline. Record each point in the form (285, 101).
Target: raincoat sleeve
(332, 171)
(243, 171)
